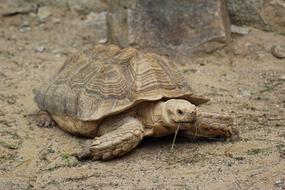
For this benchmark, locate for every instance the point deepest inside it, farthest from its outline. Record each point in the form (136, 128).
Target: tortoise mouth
(185, 122)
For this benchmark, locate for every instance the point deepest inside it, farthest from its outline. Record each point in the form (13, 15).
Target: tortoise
(118, 96)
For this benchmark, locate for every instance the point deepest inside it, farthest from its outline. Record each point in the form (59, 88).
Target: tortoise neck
(151, 115)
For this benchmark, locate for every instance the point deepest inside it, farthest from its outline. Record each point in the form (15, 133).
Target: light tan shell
(106, 80)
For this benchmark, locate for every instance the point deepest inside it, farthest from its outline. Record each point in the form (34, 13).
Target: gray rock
(274, 15)
(245, 93)
(278, 51)
(12, 7)
(169, 26)
(25, 23)
(25, 29)
(40, 49)
(242, 30)
(103, 41)
(87, 6)
(246, 12)
(97, 22)
(263, 14)
(43, 13)
(95, 19)
(280, 183)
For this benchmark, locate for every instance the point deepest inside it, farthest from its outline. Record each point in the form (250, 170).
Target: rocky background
(170, 27)
(246, 79)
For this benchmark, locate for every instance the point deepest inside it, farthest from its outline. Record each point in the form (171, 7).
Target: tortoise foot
(45, 120)
(114, 143)
(211, 125)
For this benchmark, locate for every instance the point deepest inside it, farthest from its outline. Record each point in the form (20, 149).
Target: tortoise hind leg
(45, 120)
(117, 137)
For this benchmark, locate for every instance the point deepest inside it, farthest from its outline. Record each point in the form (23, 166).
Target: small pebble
(278, 51)
(103, 41)
(242, 30)
(25, 29)
(25, 23)
(40, 49)
(279, 183)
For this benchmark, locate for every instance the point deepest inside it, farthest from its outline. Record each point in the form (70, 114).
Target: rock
(169, 26)
(246, 12)
(280, 183)
(278, 51)
(25, 29)
(87, 6)
(274, 14)
(245, 93)
(25, 26)
(96, 19)
(12, 7)
(103, 41)
(242, 30)
(98, 22)
(25, 23)
(40, 49)
(43, 13)
(263, 14)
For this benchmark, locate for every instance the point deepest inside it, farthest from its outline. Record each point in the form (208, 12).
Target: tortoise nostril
(180, 112)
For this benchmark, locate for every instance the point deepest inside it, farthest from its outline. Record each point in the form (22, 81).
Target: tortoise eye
(180, 112)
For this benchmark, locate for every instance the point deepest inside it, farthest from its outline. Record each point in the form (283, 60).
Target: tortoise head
(178, 111)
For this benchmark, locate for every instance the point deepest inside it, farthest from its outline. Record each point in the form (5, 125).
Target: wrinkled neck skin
(153, 117)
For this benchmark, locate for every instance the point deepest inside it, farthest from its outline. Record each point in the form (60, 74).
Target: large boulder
(169, 26)
(263, 14)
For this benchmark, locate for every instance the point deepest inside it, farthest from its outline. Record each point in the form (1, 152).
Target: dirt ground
(251, 89)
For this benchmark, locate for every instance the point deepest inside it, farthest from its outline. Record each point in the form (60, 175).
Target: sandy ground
(252, 90)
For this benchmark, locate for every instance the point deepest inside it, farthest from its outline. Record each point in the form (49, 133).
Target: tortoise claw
(45, 120)
(85, 153)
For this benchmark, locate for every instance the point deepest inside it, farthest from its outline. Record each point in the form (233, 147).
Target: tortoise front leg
(117, 137)
(212, 125)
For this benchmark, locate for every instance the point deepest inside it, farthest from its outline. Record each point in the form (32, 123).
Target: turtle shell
(106, 80)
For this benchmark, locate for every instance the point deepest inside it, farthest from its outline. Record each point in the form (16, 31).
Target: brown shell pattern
(106, 79)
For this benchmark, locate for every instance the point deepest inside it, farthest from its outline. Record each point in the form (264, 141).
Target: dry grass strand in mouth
(175, 135)
(174, 139)
(176, 132)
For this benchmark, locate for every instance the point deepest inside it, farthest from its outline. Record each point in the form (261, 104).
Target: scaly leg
(211, 125)
(117, 137)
